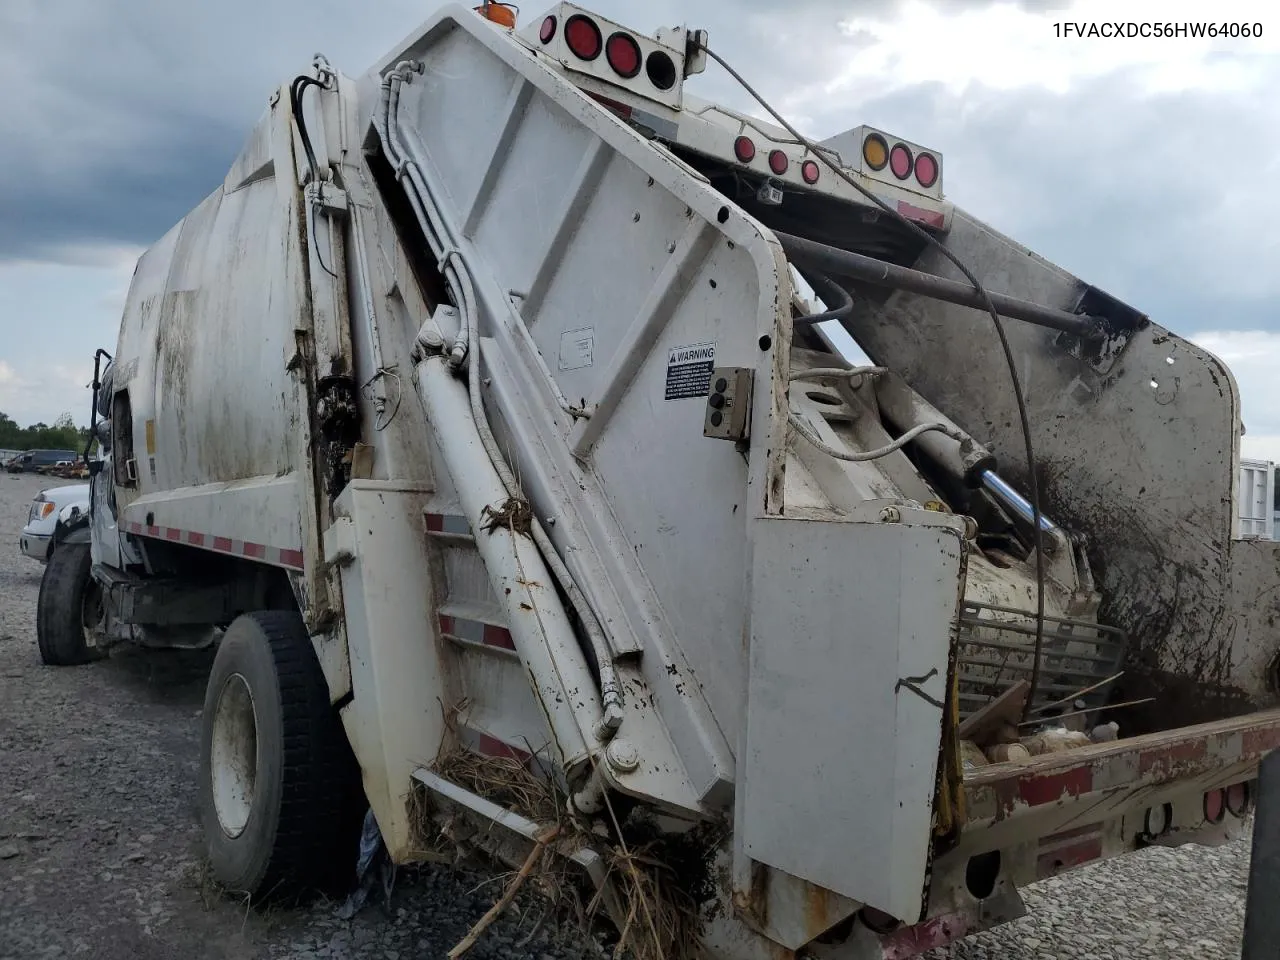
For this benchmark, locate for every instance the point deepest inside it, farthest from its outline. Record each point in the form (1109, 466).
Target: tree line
(63, 435)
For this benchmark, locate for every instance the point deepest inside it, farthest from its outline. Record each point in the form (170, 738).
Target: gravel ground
(100, 847)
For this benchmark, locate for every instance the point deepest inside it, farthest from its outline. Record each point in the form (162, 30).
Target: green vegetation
(63, 435)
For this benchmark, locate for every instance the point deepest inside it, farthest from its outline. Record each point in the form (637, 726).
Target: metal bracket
(328, 198)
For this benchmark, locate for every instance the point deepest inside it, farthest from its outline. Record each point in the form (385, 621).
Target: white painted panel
(841, 757)
(263, 510)
(394, 721)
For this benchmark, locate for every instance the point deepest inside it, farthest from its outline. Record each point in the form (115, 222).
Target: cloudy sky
(1148, 167)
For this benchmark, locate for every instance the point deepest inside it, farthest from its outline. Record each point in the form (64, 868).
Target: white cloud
(43, 392)
(1253, 356)
(1004, 46)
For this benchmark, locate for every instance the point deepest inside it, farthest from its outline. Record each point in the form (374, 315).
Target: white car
(37, 535)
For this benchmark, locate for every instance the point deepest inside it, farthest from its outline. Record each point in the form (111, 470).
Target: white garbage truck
(503, 403)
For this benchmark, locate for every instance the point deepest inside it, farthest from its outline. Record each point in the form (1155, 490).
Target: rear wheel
(276, 771)
(69, 610)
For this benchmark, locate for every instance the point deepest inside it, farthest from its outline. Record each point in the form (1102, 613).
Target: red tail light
(926, 170)
(548, 31)
(744, 149)
(583, 37)
(1237, 799)
(1214, 806)
(900, 161)
(778, 162)
(809, 171)
(623, 54)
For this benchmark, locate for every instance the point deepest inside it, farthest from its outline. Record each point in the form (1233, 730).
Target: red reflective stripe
(435, 522)
(446, 624)
(498, 637)
(1254, 743)
(928, 217)
(1165, 760)
(493, 747)
(1037, 790)
(256, 551)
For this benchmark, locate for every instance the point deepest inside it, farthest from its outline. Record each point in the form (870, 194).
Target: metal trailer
(1257, 499)
(476, 410)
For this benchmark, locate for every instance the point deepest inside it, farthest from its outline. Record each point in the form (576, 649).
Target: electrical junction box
(729, 404)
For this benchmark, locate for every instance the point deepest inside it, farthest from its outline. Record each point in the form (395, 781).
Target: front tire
(275, 766)
(69, 608)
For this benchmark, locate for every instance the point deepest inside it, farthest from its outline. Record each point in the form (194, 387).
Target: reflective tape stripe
(448, 523)
(475, 631)
(276, 556)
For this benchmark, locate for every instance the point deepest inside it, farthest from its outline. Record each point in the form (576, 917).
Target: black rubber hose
(1033, 483)
(830, 292)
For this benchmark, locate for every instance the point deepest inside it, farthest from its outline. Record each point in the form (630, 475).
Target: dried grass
(653, 887)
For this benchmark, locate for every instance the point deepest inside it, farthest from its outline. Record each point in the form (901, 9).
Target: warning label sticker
(577, 348)
(689, 370)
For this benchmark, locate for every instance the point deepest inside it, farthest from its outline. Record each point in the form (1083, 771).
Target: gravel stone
(102, 857)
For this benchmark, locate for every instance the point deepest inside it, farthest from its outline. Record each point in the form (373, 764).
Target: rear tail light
(623, 54)
(1237, 799)
(661, 70)
(875, 152)
(778, 162)
(809, 171)
(744, 149)
(900, 161)
(583, 37)
(926, 170)
(1214, 806)
(548, 31)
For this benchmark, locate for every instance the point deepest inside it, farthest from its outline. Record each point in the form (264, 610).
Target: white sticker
(577, 348)
(689, 370)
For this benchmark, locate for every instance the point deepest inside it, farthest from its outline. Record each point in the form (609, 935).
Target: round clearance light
(926, 170)
(809, 171)
(1237, 799)
(778, 162)
(744, 149)
(661, 70)
(583, 37)
(875, 152)
(623, 54)
(900, 161)
(1214, 806)
(548, 31)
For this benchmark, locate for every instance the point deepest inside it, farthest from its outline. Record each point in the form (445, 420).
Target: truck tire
(68, 608)
(275, 768)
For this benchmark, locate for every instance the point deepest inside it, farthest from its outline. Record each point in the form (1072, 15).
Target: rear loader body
(491, 367)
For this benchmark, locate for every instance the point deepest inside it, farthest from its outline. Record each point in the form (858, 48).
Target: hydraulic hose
(453, 265)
